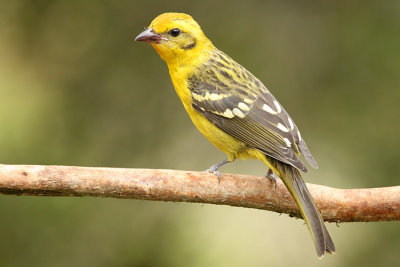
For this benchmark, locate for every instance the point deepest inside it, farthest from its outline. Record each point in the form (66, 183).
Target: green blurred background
(76, 90)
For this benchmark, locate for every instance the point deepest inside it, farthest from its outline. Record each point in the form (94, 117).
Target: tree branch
(336, 205)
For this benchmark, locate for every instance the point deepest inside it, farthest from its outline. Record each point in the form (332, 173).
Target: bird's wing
(236, 102)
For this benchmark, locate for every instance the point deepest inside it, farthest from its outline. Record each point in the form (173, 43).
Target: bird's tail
(292, 179)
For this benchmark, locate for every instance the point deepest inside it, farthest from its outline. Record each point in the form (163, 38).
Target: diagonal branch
(336, 205)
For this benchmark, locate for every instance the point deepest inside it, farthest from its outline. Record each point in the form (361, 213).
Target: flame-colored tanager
(235, 111)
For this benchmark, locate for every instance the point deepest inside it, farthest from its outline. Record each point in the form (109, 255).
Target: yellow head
(177, 37)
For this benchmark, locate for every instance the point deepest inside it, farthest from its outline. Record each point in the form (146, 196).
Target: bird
(235, 111)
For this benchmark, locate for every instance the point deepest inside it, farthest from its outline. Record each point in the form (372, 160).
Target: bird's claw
(270, 175)
(216, 172)
(214, 169)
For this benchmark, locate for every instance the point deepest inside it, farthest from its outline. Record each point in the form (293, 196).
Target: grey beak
(149, 36)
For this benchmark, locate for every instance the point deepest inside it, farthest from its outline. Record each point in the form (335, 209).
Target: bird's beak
(149, 36)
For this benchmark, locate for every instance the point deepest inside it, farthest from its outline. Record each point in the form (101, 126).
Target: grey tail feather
(296, 186)
(307, 154)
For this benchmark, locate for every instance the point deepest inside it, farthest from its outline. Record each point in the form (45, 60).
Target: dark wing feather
(235, 101)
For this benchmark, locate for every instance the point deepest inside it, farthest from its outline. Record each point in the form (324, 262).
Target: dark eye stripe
(189, 46)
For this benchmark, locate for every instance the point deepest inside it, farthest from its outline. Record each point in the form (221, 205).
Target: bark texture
(336, 205)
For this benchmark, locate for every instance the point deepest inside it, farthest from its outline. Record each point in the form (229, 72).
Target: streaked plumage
(235, 111)
(235, 101)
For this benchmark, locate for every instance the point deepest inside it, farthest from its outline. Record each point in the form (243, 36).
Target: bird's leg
(214, 168)
(270, 175)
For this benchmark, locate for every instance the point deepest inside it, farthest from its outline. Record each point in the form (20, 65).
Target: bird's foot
(270, 175)
(217, 173)
(214, 169)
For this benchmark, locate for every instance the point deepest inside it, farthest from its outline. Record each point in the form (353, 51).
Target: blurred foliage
(76, 90)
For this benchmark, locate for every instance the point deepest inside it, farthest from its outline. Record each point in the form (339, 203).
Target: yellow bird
(235, 111)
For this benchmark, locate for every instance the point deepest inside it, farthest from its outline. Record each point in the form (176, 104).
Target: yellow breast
(223, 141)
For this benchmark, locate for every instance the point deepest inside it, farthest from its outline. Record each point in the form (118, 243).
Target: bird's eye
(175, 32)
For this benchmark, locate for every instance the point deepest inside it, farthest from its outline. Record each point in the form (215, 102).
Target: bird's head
(176, 37)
